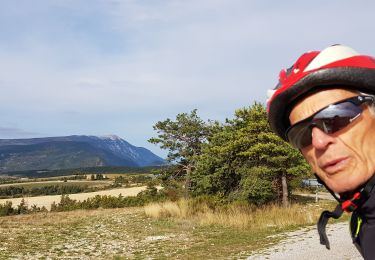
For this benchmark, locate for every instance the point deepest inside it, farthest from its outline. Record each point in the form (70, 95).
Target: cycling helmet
(335, 66)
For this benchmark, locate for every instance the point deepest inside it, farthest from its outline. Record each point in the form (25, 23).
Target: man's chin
(341, 184)
(345, 186)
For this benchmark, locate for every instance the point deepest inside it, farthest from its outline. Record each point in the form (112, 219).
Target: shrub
(105, 201)
(237, 214)
(6, 209)
(22, 208)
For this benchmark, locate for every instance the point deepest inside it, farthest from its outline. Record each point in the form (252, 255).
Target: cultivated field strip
(46, 201)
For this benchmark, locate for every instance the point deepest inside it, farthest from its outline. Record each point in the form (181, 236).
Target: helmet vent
(330, 55)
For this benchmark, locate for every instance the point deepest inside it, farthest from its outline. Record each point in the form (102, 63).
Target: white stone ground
(304, 244)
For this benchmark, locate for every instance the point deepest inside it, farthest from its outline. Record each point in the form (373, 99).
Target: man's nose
(321, 140)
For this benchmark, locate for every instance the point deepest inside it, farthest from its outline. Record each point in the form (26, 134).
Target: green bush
(6, 209)
(15, 191)
(173, 190)
(151, 194)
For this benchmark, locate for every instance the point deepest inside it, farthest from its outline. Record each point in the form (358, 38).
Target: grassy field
(40, 184)
(130, 233)
(133, 178)
(46, 201)
(130, 175)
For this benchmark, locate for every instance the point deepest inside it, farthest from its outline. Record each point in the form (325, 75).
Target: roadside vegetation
(239, 215)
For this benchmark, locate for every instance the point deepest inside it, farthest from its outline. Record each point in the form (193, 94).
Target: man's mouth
(335, 165)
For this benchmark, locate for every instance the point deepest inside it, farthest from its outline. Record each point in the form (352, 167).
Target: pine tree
(244, 160)
(183, 139)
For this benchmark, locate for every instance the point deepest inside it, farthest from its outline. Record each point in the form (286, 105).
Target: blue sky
(117, 67)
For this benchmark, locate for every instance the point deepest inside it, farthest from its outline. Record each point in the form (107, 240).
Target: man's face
(345, 159)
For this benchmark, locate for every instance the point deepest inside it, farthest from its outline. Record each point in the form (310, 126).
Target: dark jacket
(363, 227)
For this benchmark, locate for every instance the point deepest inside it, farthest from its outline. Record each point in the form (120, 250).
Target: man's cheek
(311, 161)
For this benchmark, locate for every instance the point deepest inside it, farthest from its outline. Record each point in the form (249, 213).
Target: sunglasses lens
(300, 135)
(329, 120)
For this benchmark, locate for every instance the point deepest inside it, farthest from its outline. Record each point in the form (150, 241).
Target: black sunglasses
(329, 119)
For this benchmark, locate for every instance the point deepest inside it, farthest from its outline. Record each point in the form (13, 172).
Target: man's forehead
(318, 100)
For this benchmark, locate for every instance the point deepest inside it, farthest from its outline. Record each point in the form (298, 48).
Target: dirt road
(304, 244)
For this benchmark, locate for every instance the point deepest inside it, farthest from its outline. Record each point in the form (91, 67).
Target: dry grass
(167, 209)
(190, 231)
(240, 216)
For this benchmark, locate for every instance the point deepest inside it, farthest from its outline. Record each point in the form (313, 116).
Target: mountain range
(76, 151)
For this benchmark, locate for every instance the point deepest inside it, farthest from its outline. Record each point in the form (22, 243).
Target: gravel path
(320, 195)
(304, 244)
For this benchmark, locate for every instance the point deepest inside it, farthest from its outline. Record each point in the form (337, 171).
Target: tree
(183, 139)
(22, 207)
(243, 159)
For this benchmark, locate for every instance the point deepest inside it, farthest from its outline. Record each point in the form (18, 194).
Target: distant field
(82, 171)
(54, 178)
(39, 184)
(114, 175)
(46, 201)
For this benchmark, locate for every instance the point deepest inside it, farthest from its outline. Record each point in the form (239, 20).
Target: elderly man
(324, 106)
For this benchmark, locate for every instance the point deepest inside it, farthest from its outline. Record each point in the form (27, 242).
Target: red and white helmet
(335, 66)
